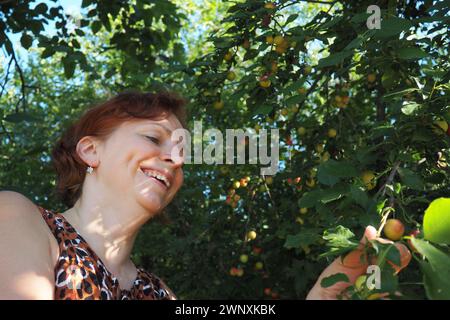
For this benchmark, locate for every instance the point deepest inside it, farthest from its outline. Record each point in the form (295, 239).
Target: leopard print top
(81, 275)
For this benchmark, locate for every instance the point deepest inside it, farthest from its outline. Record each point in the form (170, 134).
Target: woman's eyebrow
(167, 130)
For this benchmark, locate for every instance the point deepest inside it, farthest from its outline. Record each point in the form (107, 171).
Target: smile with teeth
(157, 176)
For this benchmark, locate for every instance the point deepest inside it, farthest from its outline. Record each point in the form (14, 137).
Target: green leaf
(264, 109)
(310, 199)
(294, 100)
(411, 179)
(339, 239)
(19, 117)
(436, 270)
(291, 18)
(334, 59)
(48, 52)
(304, 238)
(411, 53)
(96, 26)
(69, 68)
(340, 169)
(332, 194)
(436, 222)
(410, 107)
(41, 8)
(26, 40)
(333, 279)
(392, 26)
(359, 195)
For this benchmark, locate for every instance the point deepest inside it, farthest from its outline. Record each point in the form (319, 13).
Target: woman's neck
(110, 228)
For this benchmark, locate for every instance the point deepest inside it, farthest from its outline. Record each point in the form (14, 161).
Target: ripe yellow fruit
(218, 105)
(325, 156)
(394, 229)
(265, 83)
(299, 220)
(332, 133)
(360, 282)
(231, 75)
(269, 39)
(338, 99)
(307, 70)
(319, 148)
(440, 124)
(243, 258)
(301, 131)
(259, 265)
(310, 183)
(269, 180)
(274, 66)
(278, 40)
(368, 178)
(303, 210)
(251, 235)
(270, 5)
(301, 90)
(236, 184)
(280, 49)
(371, 77)
(228, 56)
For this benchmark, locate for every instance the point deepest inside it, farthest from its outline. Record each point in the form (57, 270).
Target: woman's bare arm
(26, 263)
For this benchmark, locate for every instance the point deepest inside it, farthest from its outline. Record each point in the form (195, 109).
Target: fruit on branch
(243, 258)
(440, 127)
(303, 210)
(371, 77)
(218, 104)
(269, 39)
(360, 282)
(231, 75)
(259, 265)
(301, 90)
(307, 69)
(251, 235)
(270, 5)
(228, 56)
(301, 131)
(332, 133)
(368, 178)
(394, 229)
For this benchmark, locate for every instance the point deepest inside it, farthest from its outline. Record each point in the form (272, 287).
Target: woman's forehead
(168, 124)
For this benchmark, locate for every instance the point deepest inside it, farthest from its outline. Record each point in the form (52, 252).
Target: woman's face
(136, 163)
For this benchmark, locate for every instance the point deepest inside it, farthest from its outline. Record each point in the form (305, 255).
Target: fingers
(369, 234)
(405, 258)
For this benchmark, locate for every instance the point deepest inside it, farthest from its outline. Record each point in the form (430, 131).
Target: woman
(115, 172)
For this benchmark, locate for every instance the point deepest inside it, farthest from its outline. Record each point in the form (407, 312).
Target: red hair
(100, 121)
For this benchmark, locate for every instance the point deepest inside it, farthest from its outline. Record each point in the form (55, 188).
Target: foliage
(302, 67)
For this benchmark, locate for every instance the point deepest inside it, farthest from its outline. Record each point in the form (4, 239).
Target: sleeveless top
(81, 275)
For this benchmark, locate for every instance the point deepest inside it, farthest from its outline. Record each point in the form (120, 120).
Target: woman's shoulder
(24, 237)
(21, 217)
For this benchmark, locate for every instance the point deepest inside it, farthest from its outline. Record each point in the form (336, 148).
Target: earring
(89, 169)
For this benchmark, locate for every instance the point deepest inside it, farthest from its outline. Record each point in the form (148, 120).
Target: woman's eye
(153, 139)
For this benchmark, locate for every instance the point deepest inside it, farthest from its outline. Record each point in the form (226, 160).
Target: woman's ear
(87, 150)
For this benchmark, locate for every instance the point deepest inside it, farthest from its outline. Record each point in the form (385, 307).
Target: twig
(22, 78)
(6, 77)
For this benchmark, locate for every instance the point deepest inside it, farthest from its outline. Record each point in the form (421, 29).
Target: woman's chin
(151, 201)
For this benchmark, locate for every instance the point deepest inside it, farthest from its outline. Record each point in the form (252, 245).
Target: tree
(363, 116)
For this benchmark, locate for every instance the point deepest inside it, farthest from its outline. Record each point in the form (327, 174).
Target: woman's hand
(353, 266)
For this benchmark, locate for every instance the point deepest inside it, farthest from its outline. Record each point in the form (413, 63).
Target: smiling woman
(114, 171)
